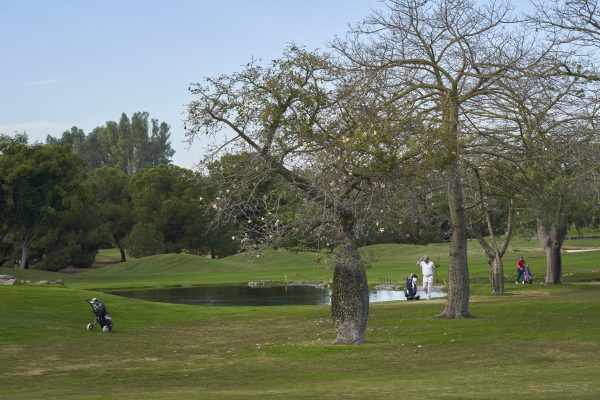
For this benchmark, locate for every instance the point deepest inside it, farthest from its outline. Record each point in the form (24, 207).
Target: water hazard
(252, 296)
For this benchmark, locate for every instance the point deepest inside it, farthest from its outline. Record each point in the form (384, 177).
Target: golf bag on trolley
(527, 275)
(102, 317)
(411, 288)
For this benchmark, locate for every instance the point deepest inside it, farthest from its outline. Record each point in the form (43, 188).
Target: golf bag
(411, 289)
(102, 317)
(527, 275)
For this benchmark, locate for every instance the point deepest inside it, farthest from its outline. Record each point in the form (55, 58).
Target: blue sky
(81, 63)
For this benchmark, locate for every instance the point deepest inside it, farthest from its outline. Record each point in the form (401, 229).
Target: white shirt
(426, 267)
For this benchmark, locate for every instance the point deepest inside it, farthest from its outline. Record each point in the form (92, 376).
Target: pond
(252, 296)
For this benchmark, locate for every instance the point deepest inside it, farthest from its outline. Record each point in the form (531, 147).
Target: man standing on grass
(427, 268)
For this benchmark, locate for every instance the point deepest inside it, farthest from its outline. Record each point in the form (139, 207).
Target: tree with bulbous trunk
(302, 125)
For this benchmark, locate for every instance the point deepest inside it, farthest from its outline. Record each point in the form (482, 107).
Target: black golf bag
(411, 289)
(102, 317)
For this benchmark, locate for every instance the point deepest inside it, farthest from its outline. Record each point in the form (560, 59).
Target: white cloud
(43, 82)
(36, 130)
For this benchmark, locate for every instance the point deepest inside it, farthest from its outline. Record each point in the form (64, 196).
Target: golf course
(534, 342)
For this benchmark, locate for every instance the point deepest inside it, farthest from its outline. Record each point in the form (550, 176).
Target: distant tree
(129, 144)
(36, 181)
(160, 151)
(111, 193)
(75, 237)
(145, 240)
(124, 147)
(96, 149)
(73, 137)
(170, 199)
(7, 240)
(544, 137)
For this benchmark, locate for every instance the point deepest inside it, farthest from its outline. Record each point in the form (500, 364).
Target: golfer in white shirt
(427, 268)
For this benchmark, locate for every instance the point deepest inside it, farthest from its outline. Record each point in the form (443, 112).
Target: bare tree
(429, 58)
(488, 202)
(542, 123)
(574, 22)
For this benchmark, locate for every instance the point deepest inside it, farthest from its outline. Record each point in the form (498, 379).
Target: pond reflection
(249, 296)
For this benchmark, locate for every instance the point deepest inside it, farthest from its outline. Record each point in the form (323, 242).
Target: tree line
(63, 200)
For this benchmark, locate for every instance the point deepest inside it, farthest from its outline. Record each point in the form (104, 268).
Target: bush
(145, 240)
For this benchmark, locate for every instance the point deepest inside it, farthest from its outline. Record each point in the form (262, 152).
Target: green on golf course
(533, 342)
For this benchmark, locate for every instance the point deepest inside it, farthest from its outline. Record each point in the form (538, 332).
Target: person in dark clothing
(411, 288)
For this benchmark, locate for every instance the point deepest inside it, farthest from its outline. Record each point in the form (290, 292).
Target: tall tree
(36, 180)
(430, 58)
(141, 145)
(96, 148)
(124, 148)
(111, 193)
(7, 146)
(169, 198)
(300, 119)
(127, 144)
(160, 151)
(75, 237)
(482, 217)
(547, 130)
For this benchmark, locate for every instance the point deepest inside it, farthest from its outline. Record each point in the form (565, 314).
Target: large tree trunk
(350, 292)
(493, 251)
(26, 241)
(496, 275)
(552, 239)
(494, 255)
(24, 252)
(457, 304)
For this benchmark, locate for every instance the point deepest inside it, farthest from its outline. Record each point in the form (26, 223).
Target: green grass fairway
(534, 342)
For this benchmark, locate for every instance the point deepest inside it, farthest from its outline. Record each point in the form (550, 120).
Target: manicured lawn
(534, 342)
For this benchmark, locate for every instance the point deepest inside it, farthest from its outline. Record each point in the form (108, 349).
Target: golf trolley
(102, 317)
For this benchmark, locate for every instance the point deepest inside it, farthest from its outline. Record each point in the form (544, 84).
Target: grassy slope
(533, 342)
(389, 262)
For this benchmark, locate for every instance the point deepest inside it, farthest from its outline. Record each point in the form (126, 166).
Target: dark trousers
(519, 274)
